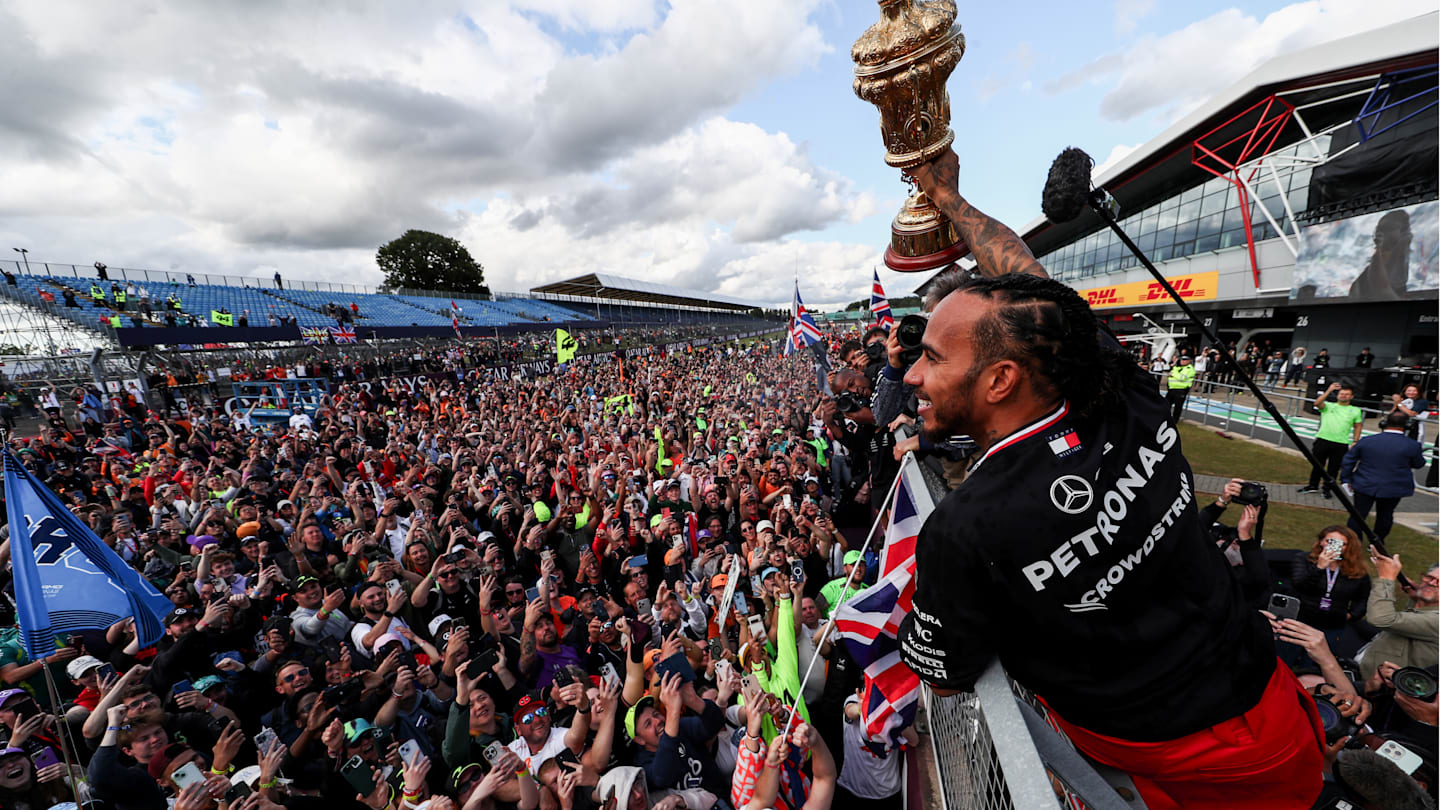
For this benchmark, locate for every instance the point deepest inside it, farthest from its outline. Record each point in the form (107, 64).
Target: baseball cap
(159, 762)
(852, 557)
(719, 581)
(674, 556)
(439, 622)
(764, 575)
(542, 512)
(764, 526)
(177, 614)
(283, 504)
(634, 712)
(355, 728)
(76, 669)
(248, 529)
(10, 693)
(208, 682)
(527, 703)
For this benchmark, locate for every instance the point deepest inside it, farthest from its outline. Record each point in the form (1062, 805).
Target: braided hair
(1046, 327)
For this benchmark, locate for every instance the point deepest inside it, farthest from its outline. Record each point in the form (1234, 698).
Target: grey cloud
(1101, 66)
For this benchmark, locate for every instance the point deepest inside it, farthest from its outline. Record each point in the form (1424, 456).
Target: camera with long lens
(848, 402)
(1416, 683)
(909, 332)
(1335, 724)
(1251, 494)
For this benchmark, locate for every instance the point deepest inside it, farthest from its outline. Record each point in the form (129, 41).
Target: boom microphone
(1067, 188)
(1379, 781)
(1067, 193)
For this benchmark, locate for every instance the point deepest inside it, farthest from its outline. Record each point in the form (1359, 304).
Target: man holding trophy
(1073, 552)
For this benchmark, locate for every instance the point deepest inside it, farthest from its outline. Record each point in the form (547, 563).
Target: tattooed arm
(998, 250)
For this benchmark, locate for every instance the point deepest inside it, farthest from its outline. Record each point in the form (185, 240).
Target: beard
(953, 415)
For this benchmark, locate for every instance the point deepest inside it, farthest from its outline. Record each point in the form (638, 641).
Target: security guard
(97, 295)
(1182, 376)
(119, 298)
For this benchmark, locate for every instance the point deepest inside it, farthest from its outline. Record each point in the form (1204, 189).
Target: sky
(714, 145)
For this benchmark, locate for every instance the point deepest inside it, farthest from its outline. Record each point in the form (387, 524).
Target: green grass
(1211, 454)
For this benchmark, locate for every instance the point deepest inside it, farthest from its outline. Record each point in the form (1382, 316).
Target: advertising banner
(1192, 287)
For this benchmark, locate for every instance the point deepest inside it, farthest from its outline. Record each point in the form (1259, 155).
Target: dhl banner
(1194, 287)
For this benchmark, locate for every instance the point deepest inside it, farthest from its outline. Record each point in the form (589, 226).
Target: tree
(429, 261)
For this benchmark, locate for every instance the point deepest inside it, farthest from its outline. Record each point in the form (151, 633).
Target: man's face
(545, 633)
(449, 579)
(182, 626)
(310, 596)
(146, 742)
(633, 593)
(374, 600)
(1428, 590)
(515, 593)
(140, 705)
(482, 708)
(649, 725)
(945, 377)
(313, 537)
(1344, 395)
(537, 730)
(809, 612)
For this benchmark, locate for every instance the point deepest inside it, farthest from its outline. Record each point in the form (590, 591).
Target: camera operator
(1242, 545)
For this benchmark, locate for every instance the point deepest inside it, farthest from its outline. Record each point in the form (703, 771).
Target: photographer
(1242, 546)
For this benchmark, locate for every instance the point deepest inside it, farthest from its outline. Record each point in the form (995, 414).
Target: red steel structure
(1223, 158)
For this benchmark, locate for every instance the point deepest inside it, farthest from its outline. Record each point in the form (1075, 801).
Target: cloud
(1168, 76)
(707, 208)
(1117, 153)
(1018, 61)
(1128, 14)
(294, 135)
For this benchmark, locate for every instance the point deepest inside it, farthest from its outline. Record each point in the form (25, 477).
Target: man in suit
(1378, 468)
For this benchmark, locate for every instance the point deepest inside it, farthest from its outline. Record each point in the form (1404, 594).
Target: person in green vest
(97, 295)
(1182, 376)
(119, 298)
(1340, 424)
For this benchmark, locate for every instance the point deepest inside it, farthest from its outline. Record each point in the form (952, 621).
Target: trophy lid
(907, 30)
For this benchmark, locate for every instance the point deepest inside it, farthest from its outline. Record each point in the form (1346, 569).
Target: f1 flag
(870, 622)
(455, 318)
(66, 578)
(565, 347)
(880, 305)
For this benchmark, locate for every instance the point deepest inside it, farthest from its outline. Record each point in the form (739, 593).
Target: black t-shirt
(1074, 553)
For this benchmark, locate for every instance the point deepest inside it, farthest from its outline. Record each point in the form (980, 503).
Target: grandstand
(36, 304)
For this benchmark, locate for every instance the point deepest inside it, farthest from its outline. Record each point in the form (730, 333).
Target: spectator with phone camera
(1333, 587)
(1408, 637)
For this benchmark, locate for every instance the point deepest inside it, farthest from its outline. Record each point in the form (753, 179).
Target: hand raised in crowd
(415, 773)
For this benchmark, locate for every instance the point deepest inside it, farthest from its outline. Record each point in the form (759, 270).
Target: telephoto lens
(1416, 683)
(911, 330)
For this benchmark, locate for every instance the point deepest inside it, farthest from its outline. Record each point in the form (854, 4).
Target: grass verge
(1212, 454)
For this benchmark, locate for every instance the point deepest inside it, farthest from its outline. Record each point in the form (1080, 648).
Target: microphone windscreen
(1380, 781)
(1068, 186)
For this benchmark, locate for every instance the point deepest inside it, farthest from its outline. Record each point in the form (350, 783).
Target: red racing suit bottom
(1269, 758)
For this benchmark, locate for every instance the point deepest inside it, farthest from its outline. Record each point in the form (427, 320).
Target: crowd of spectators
(471, 593)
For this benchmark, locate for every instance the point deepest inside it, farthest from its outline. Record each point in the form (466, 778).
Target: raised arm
(998, 250)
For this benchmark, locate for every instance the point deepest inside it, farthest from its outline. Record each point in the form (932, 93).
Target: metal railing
(994, 749)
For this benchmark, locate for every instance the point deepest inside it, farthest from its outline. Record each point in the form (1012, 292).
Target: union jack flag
(314, 335)
(870, 622)
(342, 334)
(880, 305)
(803, 331)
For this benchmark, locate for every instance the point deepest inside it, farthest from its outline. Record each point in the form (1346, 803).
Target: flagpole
(889, 499)
(63, 730)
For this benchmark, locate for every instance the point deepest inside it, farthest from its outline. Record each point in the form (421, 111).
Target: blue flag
(66, 578)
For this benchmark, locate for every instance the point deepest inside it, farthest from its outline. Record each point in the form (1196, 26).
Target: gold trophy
(901, 65)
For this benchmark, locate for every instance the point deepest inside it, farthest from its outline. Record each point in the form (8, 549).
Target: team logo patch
(1064, 444)
(1071, 494)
